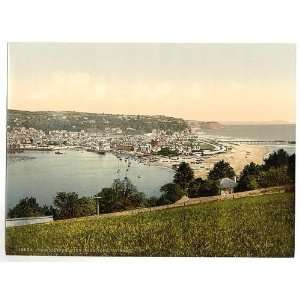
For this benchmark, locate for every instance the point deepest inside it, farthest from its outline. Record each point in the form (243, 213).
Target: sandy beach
(238, 157)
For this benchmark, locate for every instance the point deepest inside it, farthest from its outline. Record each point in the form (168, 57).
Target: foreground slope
(255, 226)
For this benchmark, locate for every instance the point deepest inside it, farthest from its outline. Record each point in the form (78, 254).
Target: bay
(43, 174)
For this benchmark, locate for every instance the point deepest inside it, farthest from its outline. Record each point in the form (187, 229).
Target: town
(157, 147)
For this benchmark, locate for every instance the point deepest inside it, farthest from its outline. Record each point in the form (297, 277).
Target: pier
(259, 142)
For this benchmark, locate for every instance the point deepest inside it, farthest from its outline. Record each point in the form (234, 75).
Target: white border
(146, 21)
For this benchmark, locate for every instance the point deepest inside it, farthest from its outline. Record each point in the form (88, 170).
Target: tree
(203, 188)
(247, 183)
(152, 201)
(69, 205)
(165, 151)
(184, 175)
(171, 192)
(251, 169)
(120, 196)
(249, 178)
(291, 167)
(277, 159)
(28, 207)
(221, 170)
(274, 177)
(107, 201)
(193, 190)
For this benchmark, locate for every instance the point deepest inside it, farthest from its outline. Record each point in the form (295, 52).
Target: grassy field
(261, 226)
(204, 146)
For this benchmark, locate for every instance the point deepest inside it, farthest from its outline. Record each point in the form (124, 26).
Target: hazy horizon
(204, 82)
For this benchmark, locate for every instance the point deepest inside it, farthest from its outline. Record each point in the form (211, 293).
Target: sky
(209, 82)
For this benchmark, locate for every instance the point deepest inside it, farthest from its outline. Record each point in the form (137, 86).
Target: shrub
(274, 177)
(203, 188)
(120, 196)
(171, 192)
(247, 183)
(291, 167)
(28, 207)
(69, 205)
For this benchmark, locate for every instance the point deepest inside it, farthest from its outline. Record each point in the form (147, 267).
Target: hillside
(204, 125)
(261, 226)
(76, 121)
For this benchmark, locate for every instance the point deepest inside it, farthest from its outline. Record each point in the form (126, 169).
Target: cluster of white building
(183, 143)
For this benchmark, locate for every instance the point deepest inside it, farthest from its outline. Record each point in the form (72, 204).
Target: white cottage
(227, 185)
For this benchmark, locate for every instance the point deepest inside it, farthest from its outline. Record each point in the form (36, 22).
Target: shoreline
(239, 156)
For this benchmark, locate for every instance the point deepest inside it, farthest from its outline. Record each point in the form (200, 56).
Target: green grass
(204, 146)
(261, 226)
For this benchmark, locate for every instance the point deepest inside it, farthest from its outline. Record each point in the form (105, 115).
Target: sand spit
(238, 157)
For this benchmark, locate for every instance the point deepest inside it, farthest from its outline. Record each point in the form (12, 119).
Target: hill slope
(260, 226)
(76, 121)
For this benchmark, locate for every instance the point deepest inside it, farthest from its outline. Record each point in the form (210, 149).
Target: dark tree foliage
(28, 207)
(121, 195)
(274, 177)
(251, 169)
(152, 201)
(183, 175)
(165, 151)
(203, 188)
(291, 167)
(69, 205)
(277, 159)
(193, 190)
(171, 192)
(249, 178)
(221, 170)
(247, 183)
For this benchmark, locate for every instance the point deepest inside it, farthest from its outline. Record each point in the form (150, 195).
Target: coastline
(237, 157)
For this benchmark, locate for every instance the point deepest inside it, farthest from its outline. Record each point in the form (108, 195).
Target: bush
(247, 183)
(69, 205)
(121, 195)
(203, 188)
(274, 177)
(171, 192)
(291, 167)
(28, 207)
(152, 201)
(249, 178)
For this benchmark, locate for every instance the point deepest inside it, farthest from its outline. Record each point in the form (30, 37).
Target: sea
(42, 174)
(270, 132)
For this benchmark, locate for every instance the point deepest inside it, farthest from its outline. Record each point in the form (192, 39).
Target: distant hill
(204, 125)
(76, 121)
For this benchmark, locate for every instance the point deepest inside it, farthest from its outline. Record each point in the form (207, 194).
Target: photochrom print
(151, 149)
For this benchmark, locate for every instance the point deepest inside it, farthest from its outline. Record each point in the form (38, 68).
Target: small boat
(57, 152)
(139, 176)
